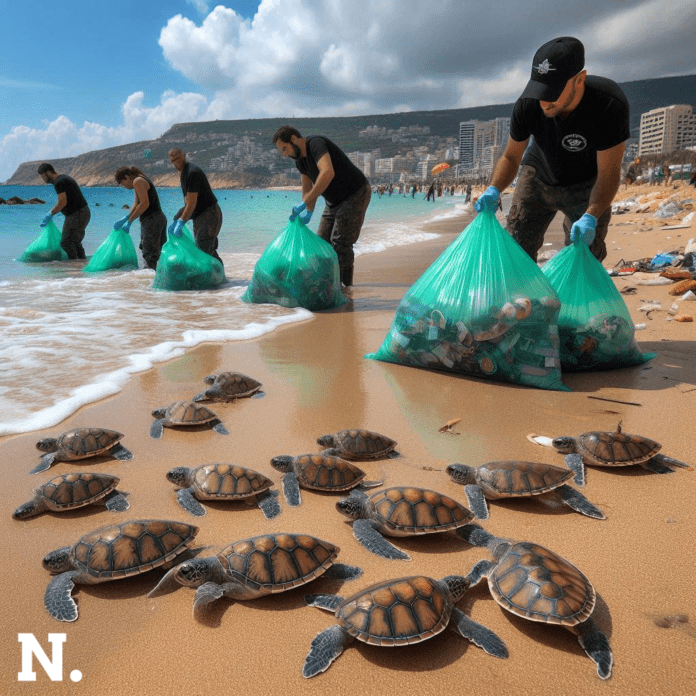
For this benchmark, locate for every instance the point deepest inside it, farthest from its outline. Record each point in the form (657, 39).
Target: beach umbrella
(439, 168)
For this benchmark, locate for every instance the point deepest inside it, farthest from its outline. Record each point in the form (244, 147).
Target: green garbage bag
(482, 308)
(594, 324)
(297, 269)
(46, 247)
(116, 252)
(183, 266)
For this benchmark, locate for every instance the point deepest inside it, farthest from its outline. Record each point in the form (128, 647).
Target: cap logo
(544, 67)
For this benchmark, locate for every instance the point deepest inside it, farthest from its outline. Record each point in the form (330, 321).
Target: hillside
(239, 154)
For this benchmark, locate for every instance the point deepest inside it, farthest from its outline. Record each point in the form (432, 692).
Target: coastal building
(481, 143)
(666, 129)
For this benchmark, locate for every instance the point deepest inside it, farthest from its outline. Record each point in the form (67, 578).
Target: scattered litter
(629, 290)
(668, 210)
(674, 308)
(650, 307)
(690, 246)
(447, 427)
(614, 401)
(682, 286)
(689, 296)
(688, 218)
(676, 227)
(683, 317)
(647, 279)
(639, 327)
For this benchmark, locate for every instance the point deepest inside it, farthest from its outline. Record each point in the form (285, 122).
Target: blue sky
(85, 75)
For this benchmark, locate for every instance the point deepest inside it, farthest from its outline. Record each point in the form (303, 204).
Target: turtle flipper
(597, 647)
(291, 489)
(664, 459)
(116, 502)
(167, 584)
(479, 635)
(477, 501)
(577, 466)
(657, 467)
(44, 464)
(269, 504)
(341, 571)
(329, 602)
(118, 451)
(578, 502)
(206, 594)
(189, 503)
(374, 542)
(480, 570)
(325, 648)
(157, 428)
(57, 600)
(218, 427)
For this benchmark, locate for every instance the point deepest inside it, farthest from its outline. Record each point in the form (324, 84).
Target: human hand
(305, 216)
(175, 227)
(297, 210)
(584, 229)
(126, 226)
(46, 219)
(488, 200)
(121, 222)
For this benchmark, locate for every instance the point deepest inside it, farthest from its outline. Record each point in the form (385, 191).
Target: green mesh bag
(183, 266)
(297, 269)
(594, 324)
(46, 247)
(482, 308)
(116, 252)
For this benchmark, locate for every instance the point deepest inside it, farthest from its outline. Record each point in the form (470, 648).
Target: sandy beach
(641, 559)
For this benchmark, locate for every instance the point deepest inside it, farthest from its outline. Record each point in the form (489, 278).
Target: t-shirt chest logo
(574, 142)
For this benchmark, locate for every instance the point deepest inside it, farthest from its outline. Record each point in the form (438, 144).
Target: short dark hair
(123, 172)
(45, 167)
(284, 133)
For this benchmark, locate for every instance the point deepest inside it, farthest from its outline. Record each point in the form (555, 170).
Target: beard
(297, 153)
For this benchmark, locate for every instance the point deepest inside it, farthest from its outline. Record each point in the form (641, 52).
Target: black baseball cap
(554, 64)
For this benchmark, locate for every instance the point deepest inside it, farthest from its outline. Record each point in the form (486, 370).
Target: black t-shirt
(67, 185)
(193, 180)
(564, 151)
(153, 201)
(347, 177)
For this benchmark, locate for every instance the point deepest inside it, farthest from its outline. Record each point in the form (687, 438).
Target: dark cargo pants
(206, 228)
(74, 232)
(153, 235)
(535, 204)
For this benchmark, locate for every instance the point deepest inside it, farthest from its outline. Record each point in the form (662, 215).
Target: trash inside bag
(594, 324)
(297, 269)
(183, 266)
(117, 252)
(482, 308)
(46, 247)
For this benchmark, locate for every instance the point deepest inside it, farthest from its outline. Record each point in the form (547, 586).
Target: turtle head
(58, 561)
(326, 440)
(564, 445)
(457, 585)
(193, 573)
(179, 476)
(282, 462)
(210, 379)
(26, 510)
(461, 473)
(159, 412)
(355, 506)
(48, 444)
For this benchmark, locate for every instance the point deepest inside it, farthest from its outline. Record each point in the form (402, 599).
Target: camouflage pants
(340, 224)
(535, 204)
(153, 235)
(74, 232)
(206, 228)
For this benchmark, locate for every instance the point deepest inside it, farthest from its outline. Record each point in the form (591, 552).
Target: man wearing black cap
(580, 125)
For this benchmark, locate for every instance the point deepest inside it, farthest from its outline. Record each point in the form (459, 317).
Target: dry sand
(641, 560)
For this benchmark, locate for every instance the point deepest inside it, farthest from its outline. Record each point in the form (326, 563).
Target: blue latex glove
(46, 219)
(120, 223)
(305, 216)
(297, 210)
(126, 226)
(488, 200)
(175, 227)
(584, 229)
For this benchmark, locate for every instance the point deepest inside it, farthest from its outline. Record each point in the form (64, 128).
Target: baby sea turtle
(399, 512)
(81, 443)
(358, 445)
(184, 414)
(535, 583)
(395, 613)
(518, 479)
(223, 482)
(71, 491)
(318, 472)
(111, 553)
(256, 567)
(228, 386)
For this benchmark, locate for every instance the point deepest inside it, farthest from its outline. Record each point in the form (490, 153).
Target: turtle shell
(122, 550)
(397, 612)
(362, 444)
(535, 583)
(81, 443)
(403, 511)
(326, 473)
(235, 385)
(188, 413)
(228, 482)
(75, 490)
(277, 562)
(616, 449)
(513, 478)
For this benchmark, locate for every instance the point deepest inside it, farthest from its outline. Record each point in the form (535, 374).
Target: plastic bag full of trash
(116, 252)
(46, 247)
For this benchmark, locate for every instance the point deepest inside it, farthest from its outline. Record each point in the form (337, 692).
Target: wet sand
(641, 560)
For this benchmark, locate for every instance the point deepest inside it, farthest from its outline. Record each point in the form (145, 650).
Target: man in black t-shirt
(74, 207)
(200, 205)
(326, 171)
(579, 125)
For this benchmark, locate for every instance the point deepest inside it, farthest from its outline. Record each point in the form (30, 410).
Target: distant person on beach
(326, 171)
(74, 207)
(632, 172)
(200, 205)
(467, 199)
(146, 206)
(431, 192)
(580, 127)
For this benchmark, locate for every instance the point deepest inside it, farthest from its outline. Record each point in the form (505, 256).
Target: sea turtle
(398, 512)
(318, 472)
(184, 414)
(256, 567)
(358, 445)
(610, 449)
(535, 583)
(394, 613)
(223, 482)
(71, 491)
(81, 443)
(515, 480)
(228, 386)
(111, 553)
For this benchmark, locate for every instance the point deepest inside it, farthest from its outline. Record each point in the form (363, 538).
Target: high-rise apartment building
(476, 138)
(666, 129)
